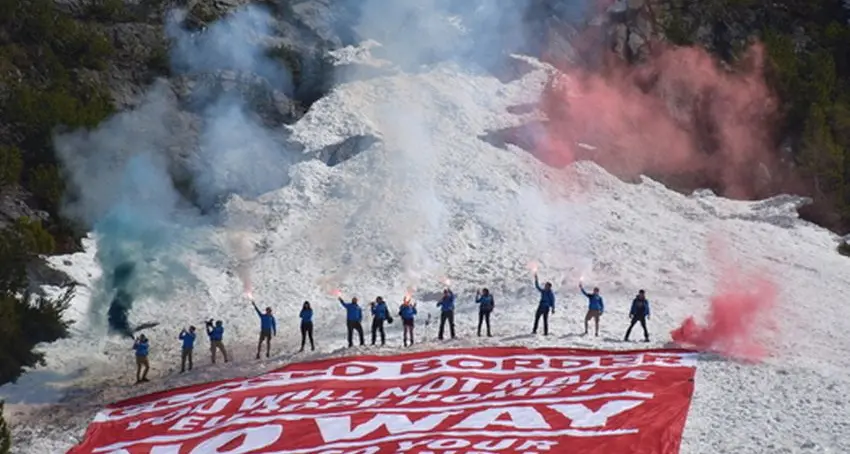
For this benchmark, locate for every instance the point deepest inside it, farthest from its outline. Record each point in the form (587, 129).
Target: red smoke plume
(739, 316)
(679, 115)
(732, 326)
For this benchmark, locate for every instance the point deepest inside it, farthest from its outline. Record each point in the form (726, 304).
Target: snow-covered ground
(432, 202)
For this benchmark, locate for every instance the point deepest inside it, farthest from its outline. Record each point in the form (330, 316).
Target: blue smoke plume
(121, 173)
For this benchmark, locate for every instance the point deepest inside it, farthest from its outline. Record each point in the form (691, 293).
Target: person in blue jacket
(380, 314)
(407, 312)
(485, 307)
(188, 338)
(595, 307)
(639, 313)
(447, 312)
(546, 305)
(142, 348)
(268, 328)
(306, 325)
(354, 319)
(216, 334)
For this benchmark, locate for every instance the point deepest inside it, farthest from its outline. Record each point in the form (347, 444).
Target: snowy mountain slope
(433, 201)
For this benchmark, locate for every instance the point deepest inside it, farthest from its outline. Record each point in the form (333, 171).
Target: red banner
(486, 400)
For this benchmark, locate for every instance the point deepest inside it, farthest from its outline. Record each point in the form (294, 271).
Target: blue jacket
(188, 339)
(547, 298)
(447, 304)
(407, 312)
(217, 333)
(486, 303)
(639, 309)
(306, 315)
(594, 302)
(267, 322)
(380, 311)
(353, 312)
(141, 348)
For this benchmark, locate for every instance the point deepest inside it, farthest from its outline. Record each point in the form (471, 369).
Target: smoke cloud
(121, 172)
(201, 125)
(476, 35)
(679, 114)
(414, 33)
(685, 118)
(740, 320)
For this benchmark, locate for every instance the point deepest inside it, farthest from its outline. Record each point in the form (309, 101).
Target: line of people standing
(638, 313)
(215, 333)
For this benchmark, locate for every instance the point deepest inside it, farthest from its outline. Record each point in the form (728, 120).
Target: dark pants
(642, 320)
(378, 325)
(482, 317)
(265, 335)
(447, 317)
(185, 355)
(307, 330)
(542, 312)
(408, 328)
(352, 327)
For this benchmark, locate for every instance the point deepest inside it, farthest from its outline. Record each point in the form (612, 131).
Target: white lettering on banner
(520, 383)
(446, 402)
(339, 428)
(466, 401)
(187, 423)
(519, 418)
(323, 400)
(253, 438)
(217, 406)
(483, 447)
(525, 417)
(582, 417)
(395, 370)
(372, 450)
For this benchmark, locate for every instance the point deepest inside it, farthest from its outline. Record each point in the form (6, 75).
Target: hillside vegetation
(808, 67)
(47, 58)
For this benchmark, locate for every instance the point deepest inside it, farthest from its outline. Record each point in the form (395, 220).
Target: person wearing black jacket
(447, 312)
(380, 314)
(639, 313)
(306, 316)
(485, 307)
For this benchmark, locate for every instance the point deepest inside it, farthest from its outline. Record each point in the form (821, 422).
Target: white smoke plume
(121, 172)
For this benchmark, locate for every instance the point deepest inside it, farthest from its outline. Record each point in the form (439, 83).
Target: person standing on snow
(407, 312)
(595, 307)
(380, 314)
(188, 338)
(306, 325)
(216, 335)
(354, 319)
(485, 307)
(142, 348)
(639, 313)
(447, 312)
(268, 328)
(547, 304)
